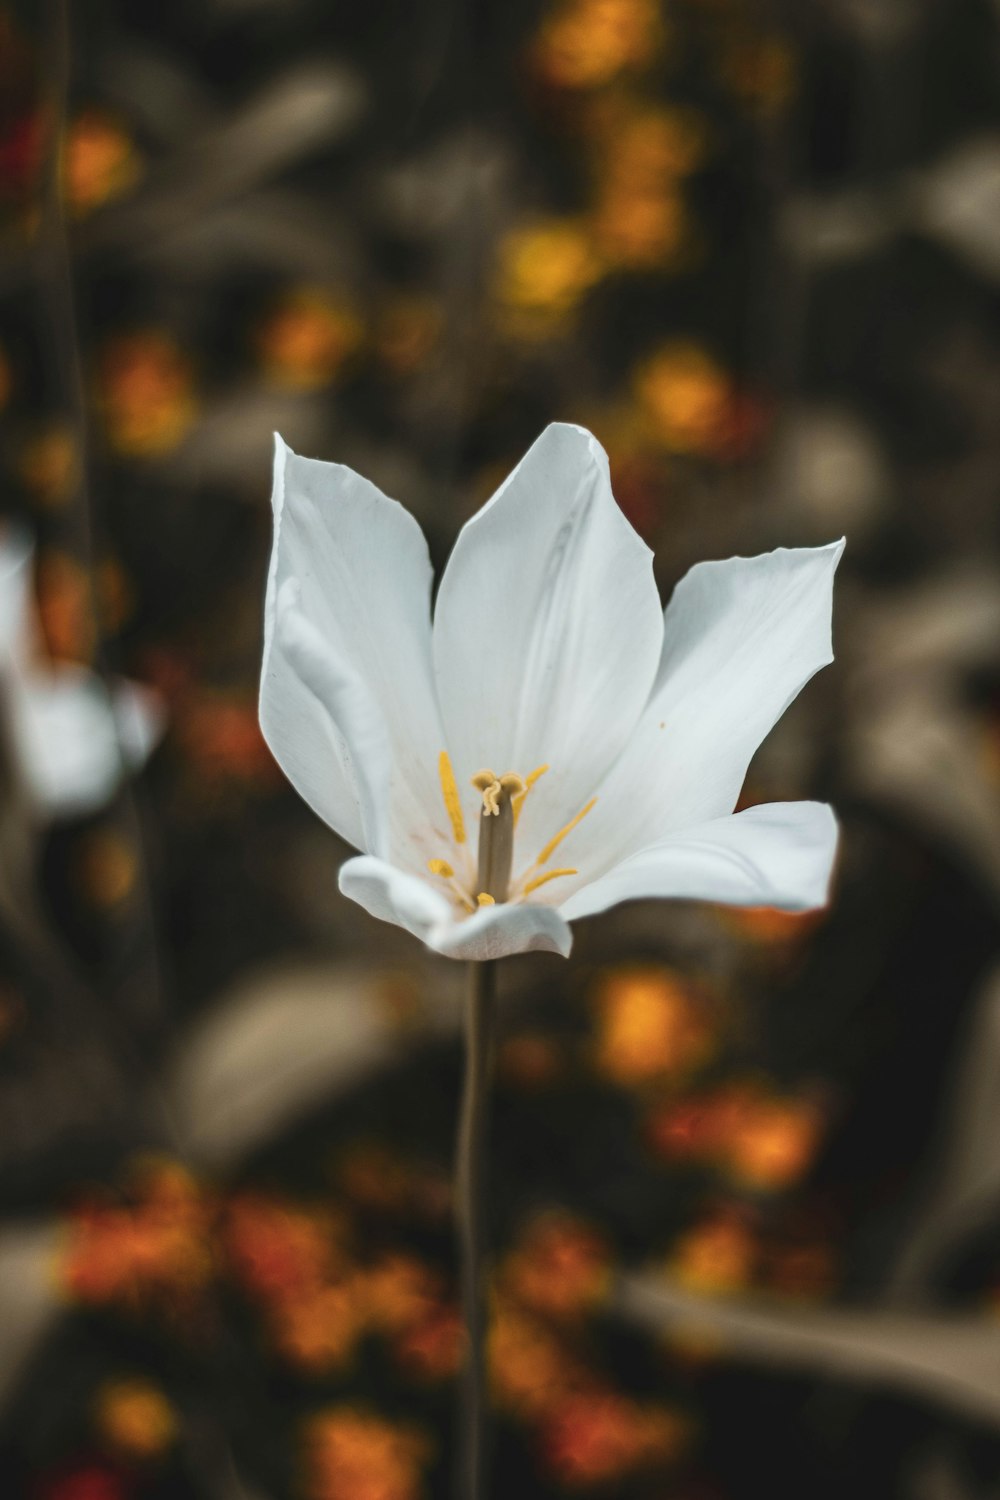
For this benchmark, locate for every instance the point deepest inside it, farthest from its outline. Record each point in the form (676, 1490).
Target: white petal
(779, 854)
(393, 895)
(140, 720)
(67, 739)
(363, 575)
(741, 638)
(499, 931)
(547, 629)
(16, 551)
(329, 717)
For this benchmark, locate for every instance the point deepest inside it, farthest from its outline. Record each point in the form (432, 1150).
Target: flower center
(503, 800)
(496, 833)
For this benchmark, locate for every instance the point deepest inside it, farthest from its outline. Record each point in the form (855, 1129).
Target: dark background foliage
(755, 247)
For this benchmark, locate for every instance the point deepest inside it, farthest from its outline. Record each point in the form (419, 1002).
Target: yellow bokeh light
(683, 395)
(543, 272)
(587, 43)
(136, 1418)
(304, 343)
(147, 393)
(100, 161)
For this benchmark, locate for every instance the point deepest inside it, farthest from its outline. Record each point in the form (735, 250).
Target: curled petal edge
(392, 895)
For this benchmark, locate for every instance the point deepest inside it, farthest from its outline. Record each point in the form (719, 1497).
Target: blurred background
(746, 1172)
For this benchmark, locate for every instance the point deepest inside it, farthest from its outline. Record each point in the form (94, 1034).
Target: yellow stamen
(541, 880)
(519, 800)
(553, 844)
(485, 899)
(443, 868)
(449, 791)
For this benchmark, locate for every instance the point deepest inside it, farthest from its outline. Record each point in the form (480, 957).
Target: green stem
(470, 1184)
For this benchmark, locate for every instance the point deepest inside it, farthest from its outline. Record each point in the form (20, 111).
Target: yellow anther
(441, 867)
(553, 844)
(485, 899)
(529, 783)
(541, 880)
(449, 791)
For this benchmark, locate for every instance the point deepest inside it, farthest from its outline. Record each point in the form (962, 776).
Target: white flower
(620, 736)
(72, 739)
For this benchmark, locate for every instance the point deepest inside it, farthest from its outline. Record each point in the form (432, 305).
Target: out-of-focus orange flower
(65, 607)
(639, 218)
(529, 1367)
(49, 466)
(107, 868)
(318, 1330)
(761, 72)
(294, 1261)
(760, 1139)
(587, 43)
(158, 1247)
(718, 1255)
(147, 393)
(278, 1249)
(543, 272)
(400, 1291)
(559, 1268)
(648, 146)
(100, 161)
(352, 1454)
(598, 1436)
(220, 734)
(640, 230)
(684, 396)
(774, 1143)
(135, 1417)
(648, 1024)
(407, 331)
(305, 341)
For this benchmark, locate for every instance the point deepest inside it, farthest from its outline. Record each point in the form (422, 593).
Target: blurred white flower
(957, 199)
(72, 739)
(592, 747)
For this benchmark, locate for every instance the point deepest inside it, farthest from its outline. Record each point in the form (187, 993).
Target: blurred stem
(470, 1184)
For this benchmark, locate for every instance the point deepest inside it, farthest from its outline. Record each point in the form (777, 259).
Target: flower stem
(470, 1185)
